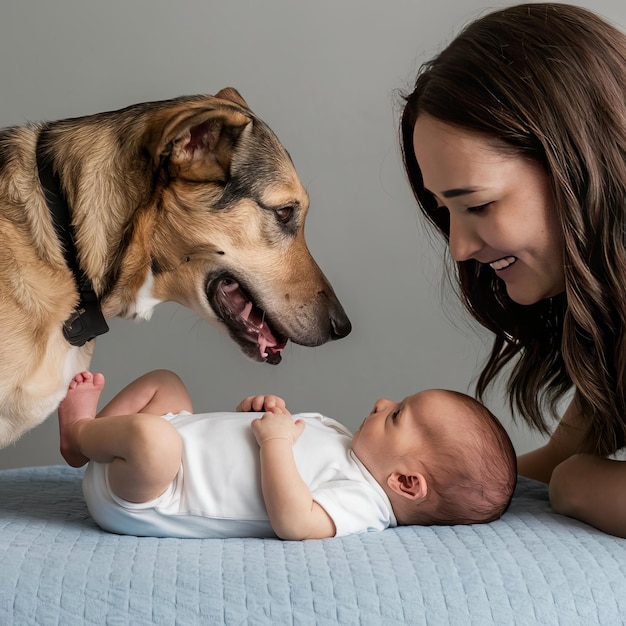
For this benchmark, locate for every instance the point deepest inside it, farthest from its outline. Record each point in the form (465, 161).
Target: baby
(156, 469)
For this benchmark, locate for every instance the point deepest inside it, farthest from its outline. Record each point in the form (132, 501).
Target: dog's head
(227, 238)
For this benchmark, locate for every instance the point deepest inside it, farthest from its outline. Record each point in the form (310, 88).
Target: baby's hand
(277, 423)
(260, 403)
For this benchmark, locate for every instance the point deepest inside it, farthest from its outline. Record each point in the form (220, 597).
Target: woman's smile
(502, 264)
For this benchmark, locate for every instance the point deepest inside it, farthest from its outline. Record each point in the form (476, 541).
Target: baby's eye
(394, 415)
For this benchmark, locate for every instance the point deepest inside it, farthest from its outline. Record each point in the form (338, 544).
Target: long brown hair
(547, 81)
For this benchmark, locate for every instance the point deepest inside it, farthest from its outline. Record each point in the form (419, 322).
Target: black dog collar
(87, 321)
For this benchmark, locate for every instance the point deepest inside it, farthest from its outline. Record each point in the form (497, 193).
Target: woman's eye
(478, 208)
(284, 214)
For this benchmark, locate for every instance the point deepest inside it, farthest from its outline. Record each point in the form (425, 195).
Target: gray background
(325, 76)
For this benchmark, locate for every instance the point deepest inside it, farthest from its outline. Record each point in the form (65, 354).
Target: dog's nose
(340, 325)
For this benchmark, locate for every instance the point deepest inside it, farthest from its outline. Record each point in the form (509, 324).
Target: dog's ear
(197, 143)
(230, 93)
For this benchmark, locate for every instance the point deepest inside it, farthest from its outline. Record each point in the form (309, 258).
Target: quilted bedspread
(530, 567)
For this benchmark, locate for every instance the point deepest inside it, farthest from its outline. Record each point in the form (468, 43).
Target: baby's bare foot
(80, 403)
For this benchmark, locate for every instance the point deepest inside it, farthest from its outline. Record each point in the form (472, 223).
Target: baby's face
(394, 429)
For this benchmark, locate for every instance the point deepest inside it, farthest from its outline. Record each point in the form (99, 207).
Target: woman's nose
(463, 241)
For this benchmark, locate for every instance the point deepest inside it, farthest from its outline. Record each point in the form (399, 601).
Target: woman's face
(501, 208)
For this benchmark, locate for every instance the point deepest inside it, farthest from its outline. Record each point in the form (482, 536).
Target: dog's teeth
(245, 313)
(227, 288)
(262, 346)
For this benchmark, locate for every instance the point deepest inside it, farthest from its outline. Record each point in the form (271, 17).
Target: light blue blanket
(530, 567)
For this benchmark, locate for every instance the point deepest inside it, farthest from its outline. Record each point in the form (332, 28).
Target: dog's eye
(284, 214)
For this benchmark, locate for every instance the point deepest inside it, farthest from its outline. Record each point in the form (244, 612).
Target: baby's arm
(292, 511)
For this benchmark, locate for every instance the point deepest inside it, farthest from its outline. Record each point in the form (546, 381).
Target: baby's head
(441, 457)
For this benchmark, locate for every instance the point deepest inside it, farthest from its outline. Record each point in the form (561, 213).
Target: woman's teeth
(501, 264)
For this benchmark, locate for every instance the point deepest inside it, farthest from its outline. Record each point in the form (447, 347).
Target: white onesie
(217, 491)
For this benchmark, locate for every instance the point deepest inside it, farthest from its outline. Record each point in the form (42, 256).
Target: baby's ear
(413, 487)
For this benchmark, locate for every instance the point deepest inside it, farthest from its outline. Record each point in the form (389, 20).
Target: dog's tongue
(253, 319)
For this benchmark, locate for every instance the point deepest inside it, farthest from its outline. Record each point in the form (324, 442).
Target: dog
(192, 200)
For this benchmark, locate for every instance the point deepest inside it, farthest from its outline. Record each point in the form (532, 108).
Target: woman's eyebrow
(461, 191)
(457, 191)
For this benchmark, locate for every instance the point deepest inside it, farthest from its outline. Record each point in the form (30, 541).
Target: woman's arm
(291, 509)
(565, 442)
(583, 486)
(591, 488)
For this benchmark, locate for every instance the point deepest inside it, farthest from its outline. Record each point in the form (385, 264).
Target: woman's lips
(503, 263)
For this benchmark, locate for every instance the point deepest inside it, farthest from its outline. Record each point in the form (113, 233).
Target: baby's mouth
(503, 263)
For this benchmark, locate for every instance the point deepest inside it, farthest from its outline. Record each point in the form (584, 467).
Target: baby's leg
(144, 450)
(80, 402)
(158, 392)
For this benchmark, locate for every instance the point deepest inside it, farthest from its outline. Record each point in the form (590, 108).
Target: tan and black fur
(191, 200)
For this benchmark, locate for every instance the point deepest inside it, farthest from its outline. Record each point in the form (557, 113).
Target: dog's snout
(340, 326)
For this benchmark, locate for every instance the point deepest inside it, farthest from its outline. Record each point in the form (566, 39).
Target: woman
(514, 142)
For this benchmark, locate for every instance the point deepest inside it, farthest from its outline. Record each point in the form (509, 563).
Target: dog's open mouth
(246, 322)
